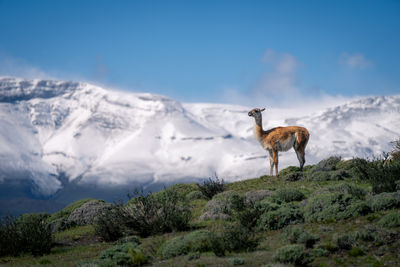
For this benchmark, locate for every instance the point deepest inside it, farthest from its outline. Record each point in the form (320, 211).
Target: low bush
(390, 220)
(236, 261)
(382, 176)
(233, 237)
(345, 188)
(297, 235)
(287, 195)
(284, 215)
(318, 175)
(222, 206)
(294, 254)
(329, 164)
(211, 187)
(194, 195)
(345, 241)
(334, 206)
(197, 241)
(29, 233)
(9, 236)
(146, 214)
(110, 225)
(320, 252)
(384, 201)
(356, 252)
(126, 254)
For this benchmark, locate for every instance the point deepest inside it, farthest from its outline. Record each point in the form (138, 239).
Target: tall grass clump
(211, 187)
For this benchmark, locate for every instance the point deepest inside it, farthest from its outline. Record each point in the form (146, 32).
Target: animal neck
(258, 129)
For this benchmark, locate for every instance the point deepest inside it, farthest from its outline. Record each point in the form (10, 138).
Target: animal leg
(271, 163)
(301, 157)
(275, 157)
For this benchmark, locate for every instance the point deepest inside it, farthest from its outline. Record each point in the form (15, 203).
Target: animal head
(256, 112)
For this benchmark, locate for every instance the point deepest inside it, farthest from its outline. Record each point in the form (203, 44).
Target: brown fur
(280, 139)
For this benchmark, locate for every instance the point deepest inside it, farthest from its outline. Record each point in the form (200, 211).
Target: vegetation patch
(221, 206)
(294, 254)
(127, 254)
(29, 233)
(146, 214)
(287, 195)
(384, 201)
(284, 215)
(297, 235)
(334, 206)
(390, 220)
(197, 241)
(211, 187)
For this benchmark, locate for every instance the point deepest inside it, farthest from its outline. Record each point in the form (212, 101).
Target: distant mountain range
(60, 141)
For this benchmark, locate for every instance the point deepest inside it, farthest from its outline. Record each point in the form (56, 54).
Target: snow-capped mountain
(93, 136)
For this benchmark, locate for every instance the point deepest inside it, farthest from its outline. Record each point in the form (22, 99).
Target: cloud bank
(279, 87)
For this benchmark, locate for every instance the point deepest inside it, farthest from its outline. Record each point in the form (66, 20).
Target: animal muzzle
(250, 114)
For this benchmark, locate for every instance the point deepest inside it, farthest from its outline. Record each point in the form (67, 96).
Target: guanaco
(280, 139)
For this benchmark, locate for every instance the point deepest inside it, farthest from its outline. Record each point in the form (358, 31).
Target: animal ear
(262, 109)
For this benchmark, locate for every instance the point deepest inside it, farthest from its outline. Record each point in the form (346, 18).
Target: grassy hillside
(334, 213)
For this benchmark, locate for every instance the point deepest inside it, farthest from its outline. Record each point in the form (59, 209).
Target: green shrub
(195, 195)
(345, 241)
(294, 254)
(318, 175)
(382, 176)
(29, 233)
(120, 255)
(329, 164)
(334, 206)
(211, 187)
(236, 261)
(297, 235)
(345, 188)
(222, 206)
(385, 201)
(110, 225)
(9, 236)
(320, 252)
(281, 217)
(197, 241)
(137, 257)
(145, 215)
(233, 237)
(356, 252)
(390, 220)
(287, 195)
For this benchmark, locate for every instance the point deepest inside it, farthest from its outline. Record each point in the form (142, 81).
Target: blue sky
(208, 51)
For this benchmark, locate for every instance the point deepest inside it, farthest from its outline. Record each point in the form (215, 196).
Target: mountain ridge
(102, 138)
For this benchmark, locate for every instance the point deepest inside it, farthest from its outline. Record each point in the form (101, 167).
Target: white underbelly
(287, 144)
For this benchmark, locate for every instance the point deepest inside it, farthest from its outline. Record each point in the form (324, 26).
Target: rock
(86, 214)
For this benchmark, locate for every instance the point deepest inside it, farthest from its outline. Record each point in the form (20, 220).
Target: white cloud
(10, 66)
(356, 60)
(280, 88)
(282, 80)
